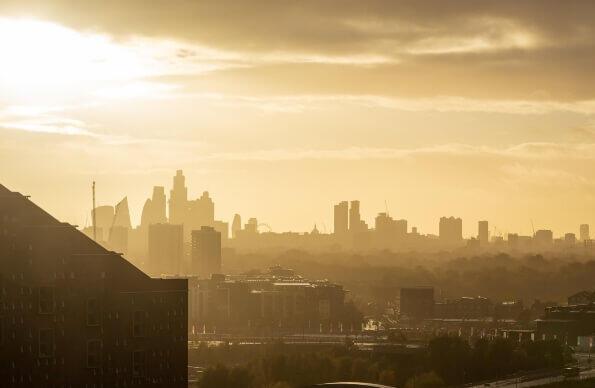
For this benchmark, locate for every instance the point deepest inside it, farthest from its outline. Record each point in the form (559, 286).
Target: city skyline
(297, 193)
(468, 228)
(484, 111)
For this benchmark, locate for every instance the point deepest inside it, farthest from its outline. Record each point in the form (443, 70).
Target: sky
(482, 110)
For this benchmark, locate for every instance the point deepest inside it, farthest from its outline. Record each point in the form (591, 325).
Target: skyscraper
(206, 252)
(201, 212)
(166, 248)
(236, 225)
(104, 217)
(543, 238)
(483, 232)
(451, 229)
(341, 217)
(122, 214)
(354, 217)
(584, 232)
(154, 208)
(178, 200)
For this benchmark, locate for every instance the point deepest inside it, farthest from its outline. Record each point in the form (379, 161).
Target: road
(522, 383)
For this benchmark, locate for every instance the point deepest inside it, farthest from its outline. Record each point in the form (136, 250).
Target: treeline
(377, 277)
(446, 361)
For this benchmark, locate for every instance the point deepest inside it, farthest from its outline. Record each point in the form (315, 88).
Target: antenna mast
(94, 216)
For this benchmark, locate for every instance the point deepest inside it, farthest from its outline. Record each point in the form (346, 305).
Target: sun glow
(39, 57)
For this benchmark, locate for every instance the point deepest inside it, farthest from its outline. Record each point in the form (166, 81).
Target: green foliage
(425, 380)
(446, 361)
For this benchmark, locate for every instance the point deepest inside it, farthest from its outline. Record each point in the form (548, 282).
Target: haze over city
(297, 194)
(482, 111)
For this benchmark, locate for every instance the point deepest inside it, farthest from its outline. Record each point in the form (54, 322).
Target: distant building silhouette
(178, 199)
(276, 300)
(236, 225)
(451, 229)
(483, 234)
(154, 211)
(341, 218)
(82, 316)
(389, 232)
(252, 226)
(355, 220)
(104, 217)
(201, 212)
(166, 248)
(584, 233)
(206, 252)
(118, 239)
(122, 214)
(543, 238)
(223, 228)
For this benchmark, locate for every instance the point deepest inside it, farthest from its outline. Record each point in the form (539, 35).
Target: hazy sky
(478, 109)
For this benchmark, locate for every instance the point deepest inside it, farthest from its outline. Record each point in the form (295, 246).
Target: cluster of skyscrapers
(351, 231)
(188, 241)
(180, 235)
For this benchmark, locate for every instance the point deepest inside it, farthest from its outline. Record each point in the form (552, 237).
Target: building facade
(73, 314)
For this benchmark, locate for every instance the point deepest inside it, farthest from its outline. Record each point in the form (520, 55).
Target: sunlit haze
(479, 114)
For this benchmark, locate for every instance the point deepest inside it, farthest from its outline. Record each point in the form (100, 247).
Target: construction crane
(269, 229)
(533, 227)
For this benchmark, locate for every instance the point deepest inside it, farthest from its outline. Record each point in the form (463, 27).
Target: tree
(425, 380)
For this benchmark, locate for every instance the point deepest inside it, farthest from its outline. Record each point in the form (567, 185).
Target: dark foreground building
(73, 314)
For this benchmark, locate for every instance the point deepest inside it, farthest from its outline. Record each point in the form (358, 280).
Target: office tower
(389, 230)
(544, 237)
(84, 316)
(354, 217)
(483, 232)
(118, 239)
(251, 226)
(341, 217)
(166, 248)
(178, 200)
(584, 232)
(570, 239)
(104, 217)
(154, 208)
(201, 212)
(223, 228)
(451, 229)
(122, 215)
(206, 252)
(513, 240)
(401, 228)
(236, 225)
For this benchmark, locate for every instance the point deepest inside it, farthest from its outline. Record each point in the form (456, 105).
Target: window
(138, 362)
(93, 312)
(93, 354)
(138, 324)
(46, 300)
(46, 342)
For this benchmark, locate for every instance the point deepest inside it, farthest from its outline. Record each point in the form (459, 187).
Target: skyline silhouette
(297, 194)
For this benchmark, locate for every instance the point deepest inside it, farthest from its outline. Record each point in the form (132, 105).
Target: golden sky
(483, 110)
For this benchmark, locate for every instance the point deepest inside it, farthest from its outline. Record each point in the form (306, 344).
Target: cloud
(58, 126)
(525, 151)
(506, 49)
